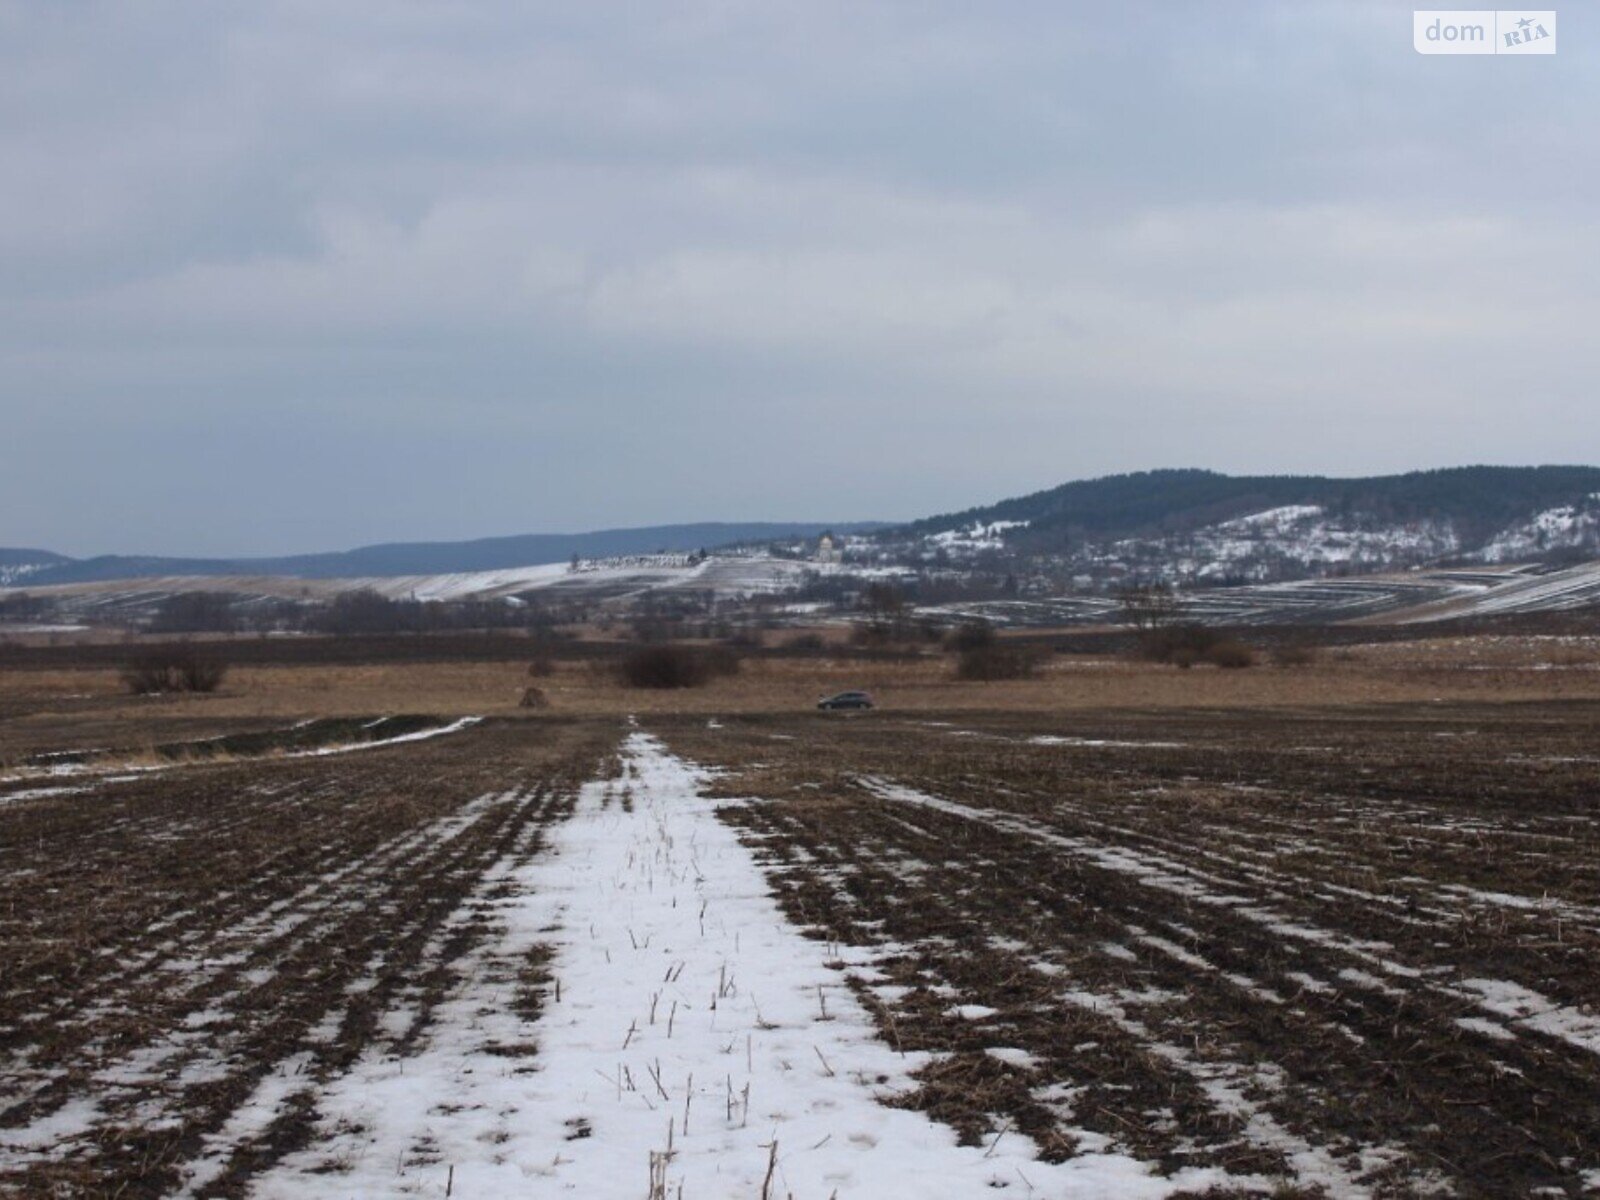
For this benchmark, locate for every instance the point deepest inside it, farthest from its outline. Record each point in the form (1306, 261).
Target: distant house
(828, 550)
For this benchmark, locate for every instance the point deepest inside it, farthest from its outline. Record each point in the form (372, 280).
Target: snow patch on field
(420, 735)
(1050, 739)
(113, 770)
(1488, 1028)
(39, 793)
(1529, 1009)
(691, 1038)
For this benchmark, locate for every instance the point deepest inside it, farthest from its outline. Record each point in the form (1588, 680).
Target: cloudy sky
(296, 276)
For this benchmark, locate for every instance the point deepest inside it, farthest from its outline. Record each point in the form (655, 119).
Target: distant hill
(1179, 526)
(425, 558)
(1479, 501)
(16, 566)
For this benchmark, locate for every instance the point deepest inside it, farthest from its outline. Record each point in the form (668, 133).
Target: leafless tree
(1149, 606)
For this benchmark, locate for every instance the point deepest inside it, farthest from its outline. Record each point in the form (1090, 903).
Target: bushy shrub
(874, 633)
(1231, 655)
(676, 666)
(996, 661)
(720, 660)
(807, 643)
(1185, 645)
(173, 668)
(1172, 643)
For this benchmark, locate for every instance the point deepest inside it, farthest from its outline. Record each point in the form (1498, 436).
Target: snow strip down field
(690, 1043)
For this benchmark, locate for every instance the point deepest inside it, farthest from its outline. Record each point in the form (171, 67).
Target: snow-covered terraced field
(1314, 601)
(1415, 597)
(1522, 592)
(1395, 597)
(617, 579)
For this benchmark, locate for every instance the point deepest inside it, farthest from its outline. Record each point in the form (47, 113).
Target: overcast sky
(296, 276)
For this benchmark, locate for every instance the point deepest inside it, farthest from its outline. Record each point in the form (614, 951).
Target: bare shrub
(542, 665)
(807, 643)
(1294, 654)
(1169, 643)
(144, 677)
(873, 634)
(970, 635)
(1231, 655)
(663, 667)
(676, 666)
(996, 661)
(720, 660)
(887, 611)
(1150, 607)
(1185, 645)
(173, 668)
(533, 697)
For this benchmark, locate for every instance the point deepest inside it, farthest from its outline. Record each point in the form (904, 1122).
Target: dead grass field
(1503, 669)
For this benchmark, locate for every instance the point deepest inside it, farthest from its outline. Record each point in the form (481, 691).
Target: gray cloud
(291, 276)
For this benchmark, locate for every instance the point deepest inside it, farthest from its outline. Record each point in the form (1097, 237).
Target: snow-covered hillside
(972, 538)
(1567, 527)
(17, 575)
(1280, 542)
(15, 571)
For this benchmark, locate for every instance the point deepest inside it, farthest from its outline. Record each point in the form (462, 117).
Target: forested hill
(1478, 501)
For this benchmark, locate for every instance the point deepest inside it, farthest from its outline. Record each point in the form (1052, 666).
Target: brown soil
(1209, 925)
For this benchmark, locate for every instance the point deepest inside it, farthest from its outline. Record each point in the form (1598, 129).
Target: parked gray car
(845, 700)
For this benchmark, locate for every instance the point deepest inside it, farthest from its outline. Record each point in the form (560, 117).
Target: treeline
(369, 612)
(20, 606)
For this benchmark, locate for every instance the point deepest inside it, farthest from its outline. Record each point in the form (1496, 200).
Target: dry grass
(1502, 669)
(1063, 683)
